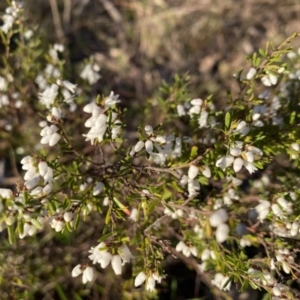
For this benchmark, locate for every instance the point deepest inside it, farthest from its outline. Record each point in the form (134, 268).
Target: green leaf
(227, 121)
(77, 220)
(108, 216)
(194, 152)
(262, 53)
(292, 117)
(121, 206)
(11, 235)
(104, 237)
(36, 224)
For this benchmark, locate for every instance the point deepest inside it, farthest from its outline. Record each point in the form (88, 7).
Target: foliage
(217, 189)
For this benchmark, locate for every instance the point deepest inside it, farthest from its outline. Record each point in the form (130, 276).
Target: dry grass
(140, 43)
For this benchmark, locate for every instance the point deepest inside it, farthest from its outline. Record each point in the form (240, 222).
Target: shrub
(215, 188)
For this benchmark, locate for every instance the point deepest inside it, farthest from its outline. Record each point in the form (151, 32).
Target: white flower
(222, 233)
(28, 34)
(67, 84)
(50, 135)
(148, 129)
(77, 271)
(140, 279)
(193, 172)
(251, 73)
(180, 110)
(295, 146)
(263, 209)
(57, 224)
(48, 96)
(186, 250)
(32, 183)
(205, 170)
(174, 214)
(242, 128)
(294, 228)
(205, 255)
(149, 278)
(220, 281)
(134, 215)
(3, 84)
(225, 162)
(28, 229)
(116, 264)
(68, 216)
(193, 187)
(202, 121)
(149, 146)
(218, 217)
(139, 146)
(269, 79)
(90, 73)
(43, 168)
(125, 254)
(150, 285)
(98, 188)
(197, 101)
(100, 255)
(56, 113)
(6, 193)
(111, 100)
(88, 273)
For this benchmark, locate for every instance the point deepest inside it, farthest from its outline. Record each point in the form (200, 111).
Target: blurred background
(138, 44)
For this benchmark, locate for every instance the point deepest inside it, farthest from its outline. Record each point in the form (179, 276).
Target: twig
(67, 12)
(56, 20)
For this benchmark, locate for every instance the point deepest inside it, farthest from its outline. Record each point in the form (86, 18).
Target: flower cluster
(240, 156)
(150, 279)
(101, 254)
(11, 14)
(159, 148)
(100, 120)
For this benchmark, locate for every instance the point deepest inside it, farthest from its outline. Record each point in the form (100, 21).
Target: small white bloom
(180, 110)
(140, 279)
(56, 113)
(222, 233)
(6, 193)
(116, 264)
(149, 146)
(32, 183)
(205, 170)
(218, 217)
(125, 254)
(193, 172)
(197, 101)
(48, 96)
(88, 275)
(139, 146)
(134, 215)
(77, 271)
(68, 216)
(43, 168)
(148, 130)
(90, 73)
(242, 128)
(251, 73)
(238, 164)
(98, 188)
(224, 162)
(295, 146)
(150, 285)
